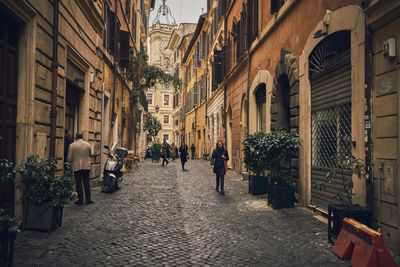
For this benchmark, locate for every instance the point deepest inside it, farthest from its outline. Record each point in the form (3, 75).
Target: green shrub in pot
(254, 147)
(280, 148)
(40, 184)
(9, 226)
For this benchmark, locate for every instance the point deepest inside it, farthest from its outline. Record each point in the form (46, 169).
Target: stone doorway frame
(287, 65)
(25, 139)
(263, 76)
(350, 18)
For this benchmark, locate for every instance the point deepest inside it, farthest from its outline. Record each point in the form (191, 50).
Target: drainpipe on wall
(368, 119)
(102, 130)
(224, 114)
(54, 65)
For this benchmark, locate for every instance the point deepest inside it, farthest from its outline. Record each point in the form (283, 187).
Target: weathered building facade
(271, 68)
(178, 36)
(382, 42)
(159, 96)
(62, 71)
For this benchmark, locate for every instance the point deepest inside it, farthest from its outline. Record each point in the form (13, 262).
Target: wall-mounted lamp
(157, 108)
(91, 77)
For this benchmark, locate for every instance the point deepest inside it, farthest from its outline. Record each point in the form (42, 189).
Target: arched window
(260, 94)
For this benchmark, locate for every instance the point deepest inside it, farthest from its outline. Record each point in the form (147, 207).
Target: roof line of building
(202, 18)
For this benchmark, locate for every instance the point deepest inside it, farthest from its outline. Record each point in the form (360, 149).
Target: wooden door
(9, 32)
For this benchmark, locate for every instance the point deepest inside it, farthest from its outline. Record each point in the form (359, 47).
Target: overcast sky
(182, 10)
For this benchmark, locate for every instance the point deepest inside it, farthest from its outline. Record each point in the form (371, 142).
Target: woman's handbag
(226, 165)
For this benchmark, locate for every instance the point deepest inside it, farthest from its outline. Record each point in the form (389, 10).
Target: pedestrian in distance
(219, 160)
(173, 151)
(79, 156)
(184, 154)
(176, 152)
(164, 152)
(193, 150)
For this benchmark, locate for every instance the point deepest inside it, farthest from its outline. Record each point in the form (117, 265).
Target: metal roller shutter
(331, 125)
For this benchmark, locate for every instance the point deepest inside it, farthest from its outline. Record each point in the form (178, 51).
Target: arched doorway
(285, 107)
(229, 135)
(331, 109)
(260, 95)
(285, 98)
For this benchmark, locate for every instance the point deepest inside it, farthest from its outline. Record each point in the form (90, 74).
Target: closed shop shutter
(330, 122)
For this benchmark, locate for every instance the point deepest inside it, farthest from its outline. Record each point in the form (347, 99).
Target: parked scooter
(113, 169)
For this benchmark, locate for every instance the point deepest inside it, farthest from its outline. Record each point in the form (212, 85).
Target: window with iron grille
(330, 75)
(331, 129)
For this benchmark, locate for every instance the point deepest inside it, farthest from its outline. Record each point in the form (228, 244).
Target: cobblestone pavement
(163, 216)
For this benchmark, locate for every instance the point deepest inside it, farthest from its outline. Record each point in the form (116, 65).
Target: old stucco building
(159, 96)
(179, 36)
(64, 69)
(332, 78)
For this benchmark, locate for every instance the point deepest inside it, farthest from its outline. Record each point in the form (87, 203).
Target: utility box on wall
(389, 48)
(388, 183)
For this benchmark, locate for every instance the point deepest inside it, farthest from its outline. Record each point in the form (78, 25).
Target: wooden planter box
(258, 184)
(41, 217)
(336, 214)
(7, 248)
(281, 196)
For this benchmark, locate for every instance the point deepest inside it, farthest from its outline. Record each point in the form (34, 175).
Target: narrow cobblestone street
(164, 216)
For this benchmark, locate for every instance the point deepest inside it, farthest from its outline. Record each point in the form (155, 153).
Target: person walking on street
(184, 154)
(79, 155)
(173, 151)
(218, 163)
(193, 149)
(164, 152)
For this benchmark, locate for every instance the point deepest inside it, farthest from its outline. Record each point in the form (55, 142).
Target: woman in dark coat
(184, 153)
(218, 158)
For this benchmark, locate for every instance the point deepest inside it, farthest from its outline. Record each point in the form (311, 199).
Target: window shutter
(196, 94)
(124, 50)
(128, 10)
(111, 31)
(134, 23)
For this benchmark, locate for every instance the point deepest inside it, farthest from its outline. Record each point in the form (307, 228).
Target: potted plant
(280, 148)
(44, 194)
(9, 227)
(343, 168)
(254, 146)
(156, 151)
